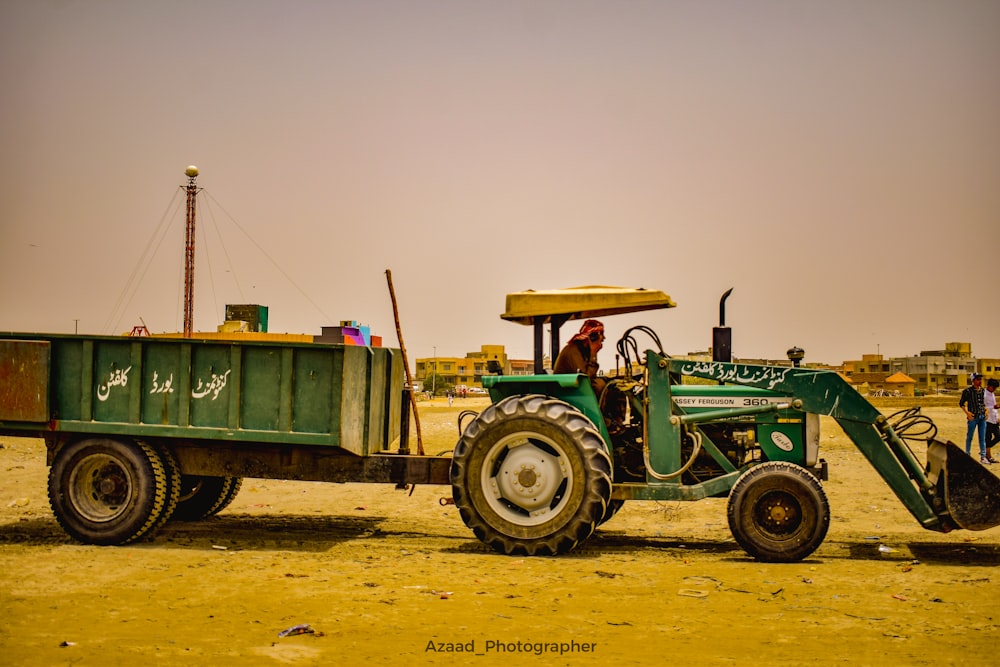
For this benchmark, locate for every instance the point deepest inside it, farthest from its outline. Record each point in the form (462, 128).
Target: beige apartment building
(932, 371)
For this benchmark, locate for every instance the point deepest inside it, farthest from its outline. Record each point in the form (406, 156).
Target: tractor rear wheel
(613, 506)
(204, 496)
(531, 476)
(105, 491)
(778, 512)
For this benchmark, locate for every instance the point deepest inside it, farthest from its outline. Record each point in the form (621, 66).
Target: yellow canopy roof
(577, 303)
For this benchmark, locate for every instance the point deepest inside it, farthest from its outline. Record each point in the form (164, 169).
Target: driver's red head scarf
(589, 327)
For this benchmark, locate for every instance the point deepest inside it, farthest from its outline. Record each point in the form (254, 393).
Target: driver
(580, 354)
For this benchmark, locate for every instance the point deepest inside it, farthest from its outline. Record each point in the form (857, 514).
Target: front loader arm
(826, 393)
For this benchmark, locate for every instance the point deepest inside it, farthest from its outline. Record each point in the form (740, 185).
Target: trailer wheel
(531, 476)
(173, 471)
(204, 496)
(105, 491)
(778, 512)
(234, 489)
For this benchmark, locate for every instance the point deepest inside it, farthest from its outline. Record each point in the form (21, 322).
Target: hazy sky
(837, 163)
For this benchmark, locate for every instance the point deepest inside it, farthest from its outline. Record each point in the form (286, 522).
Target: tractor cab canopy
(555, 307)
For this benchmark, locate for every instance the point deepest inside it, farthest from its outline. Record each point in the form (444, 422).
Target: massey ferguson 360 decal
(727, 401)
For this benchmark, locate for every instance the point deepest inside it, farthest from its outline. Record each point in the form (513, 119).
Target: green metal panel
(69, 399)
(211, 372)
(161, 394)
(311, 391)
(260, 388)
(337, 391)
(663, 432)
(285, 391)
(112, 366)
(374, 433)
(235, 394)
(392, 374)
(354, 404)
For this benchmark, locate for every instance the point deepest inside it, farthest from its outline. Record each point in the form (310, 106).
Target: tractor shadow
(317, 534)
(603, 542)
(937, 553)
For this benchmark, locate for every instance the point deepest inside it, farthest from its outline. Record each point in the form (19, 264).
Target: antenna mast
(192, 192)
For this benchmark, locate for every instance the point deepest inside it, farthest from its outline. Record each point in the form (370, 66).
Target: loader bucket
(971, 493)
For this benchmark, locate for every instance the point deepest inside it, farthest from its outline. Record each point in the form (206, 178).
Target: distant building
(932, 371)
(988, 367)
(900, 384)
(467, 370)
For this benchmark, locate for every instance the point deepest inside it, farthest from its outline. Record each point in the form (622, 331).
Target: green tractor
(550, 460)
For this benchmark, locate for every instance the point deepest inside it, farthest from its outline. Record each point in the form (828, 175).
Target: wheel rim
(778, 514)
(526, 478)
(101, 488)
(190, 486)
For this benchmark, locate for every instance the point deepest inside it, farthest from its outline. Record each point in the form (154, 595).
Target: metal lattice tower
(192, 194)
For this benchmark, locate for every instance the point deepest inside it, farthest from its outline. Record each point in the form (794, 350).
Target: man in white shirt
(992, 429)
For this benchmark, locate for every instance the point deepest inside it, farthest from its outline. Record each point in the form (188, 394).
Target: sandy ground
(392, 578)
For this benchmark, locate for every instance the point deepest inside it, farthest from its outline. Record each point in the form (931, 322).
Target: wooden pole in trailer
(406, 363)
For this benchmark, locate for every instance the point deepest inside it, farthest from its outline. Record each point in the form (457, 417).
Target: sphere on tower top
(191, 171)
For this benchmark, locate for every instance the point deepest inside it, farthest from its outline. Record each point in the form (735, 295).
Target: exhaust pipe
(722, 336)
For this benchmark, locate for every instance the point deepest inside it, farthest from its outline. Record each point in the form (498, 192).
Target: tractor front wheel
(531, 476)
(778, 512)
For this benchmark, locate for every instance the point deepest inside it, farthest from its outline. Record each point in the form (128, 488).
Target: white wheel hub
(526, 478)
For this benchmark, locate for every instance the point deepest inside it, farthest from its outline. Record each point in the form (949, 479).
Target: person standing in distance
(992, 428)
(973, 403)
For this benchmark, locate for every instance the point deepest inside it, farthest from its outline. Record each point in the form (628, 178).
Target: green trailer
(142, 429)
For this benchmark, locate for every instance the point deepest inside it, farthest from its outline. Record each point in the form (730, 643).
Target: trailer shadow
(229, 531)
(39, 531)
(267, 532)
